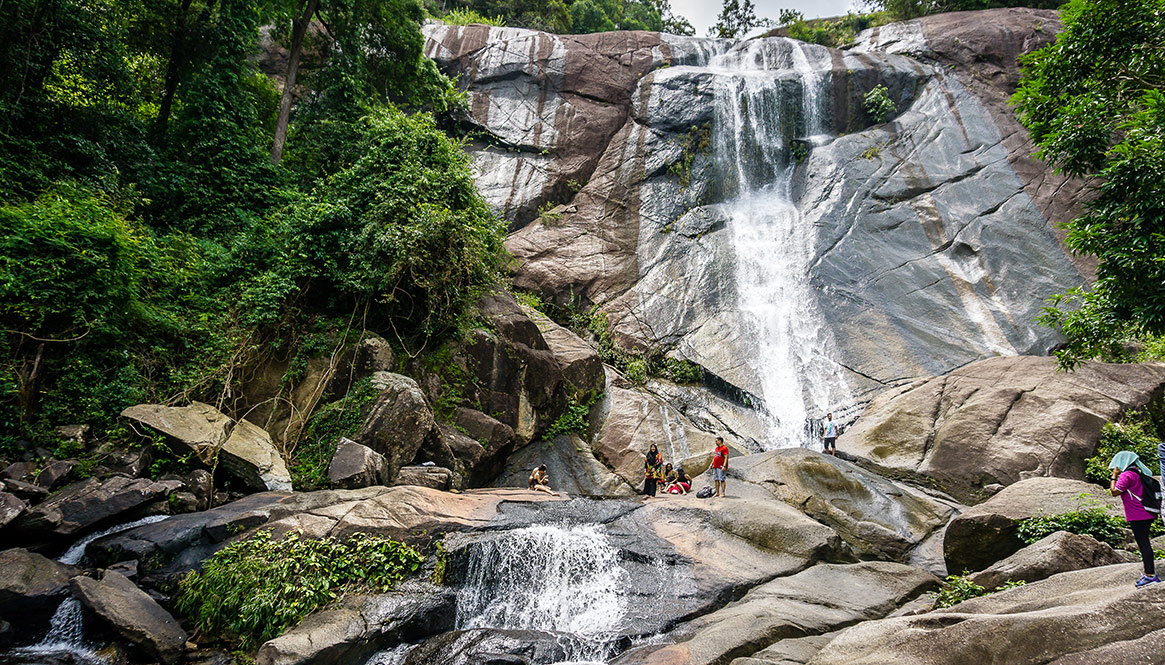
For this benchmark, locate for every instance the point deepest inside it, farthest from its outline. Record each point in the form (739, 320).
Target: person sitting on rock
(1126, 483)
(682, 483)
(669, 475)
(540, 481)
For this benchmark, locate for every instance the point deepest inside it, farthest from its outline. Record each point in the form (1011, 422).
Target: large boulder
(986, 533)
(132, 614)
(792, 651)
(1058, 553)
(1078, 618)
(92, 503)
(354, 465)
(571, 465)
(879, 518)
(197, 428)
(433, 477)
(11, 507)
(249, 454)
(399, 422)
(999, 420)
(359, 626)
(31, 587)
(581, 366)
(823, 598)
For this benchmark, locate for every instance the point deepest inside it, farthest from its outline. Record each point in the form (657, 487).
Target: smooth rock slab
(360, 626)
(355, 465)
(132, 614)
(986, 533)
(1082, 617)
(999, 420)
(571, 465)
(823, 598)
(198, 428)
(493, 646)
(31, 587)
(249, 454)
(1058, 553)
(433, 477)
(91, 503)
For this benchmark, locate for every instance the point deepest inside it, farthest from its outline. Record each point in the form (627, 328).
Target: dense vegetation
(1135, 432)
(957, 588)
(252, 590)
(1095, 106)
(159, 237)
(566, 16)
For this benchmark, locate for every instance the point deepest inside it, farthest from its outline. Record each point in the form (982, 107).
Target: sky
(702, 13)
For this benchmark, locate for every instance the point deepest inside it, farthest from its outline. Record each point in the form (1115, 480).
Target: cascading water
(551, 578)
(74, 554)
(769, 96)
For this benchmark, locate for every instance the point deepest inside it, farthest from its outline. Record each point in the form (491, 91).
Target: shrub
(467, 16)
(1092, 519)
(343, 417)
(1135, 432)
(254, 589)
(878, 104)
(957, 588)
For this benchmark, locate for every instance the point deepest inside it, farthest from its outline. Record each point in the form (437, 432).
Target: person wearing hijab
(652, 470)
(1126, 483)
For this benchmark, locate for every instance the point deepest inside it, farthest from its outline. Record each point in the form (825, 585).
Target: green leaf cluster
(1092, 519)
(1135, 432)
(878, 104)
(566, 16)
(901, 10)
(637, 366)
(957, 588)
(833, 33)
(252, 590)
(341, 418)
(1094, 105)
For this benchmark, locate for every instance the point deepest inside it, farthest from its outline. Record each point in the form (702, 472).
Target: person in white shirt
(829, 435)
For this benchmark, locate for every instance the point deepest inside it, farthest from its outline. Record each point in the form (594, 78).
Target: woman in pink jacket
(1126, 483)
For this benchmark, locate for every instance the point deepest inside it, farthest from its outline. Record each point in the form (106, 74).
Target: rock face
(91, 503)
(354, 466)
(933, 234)
(198, 428)
(999, 420)
(433, 477)
(1057, 553)
(1073, 618)
(31, 587)
(359, 626)
(10, 508)
(132, 614)
(877, 517)
(817, 600)
(249, 454)
(399, 423)
(571, 465)
(986, 533)
(488, 645)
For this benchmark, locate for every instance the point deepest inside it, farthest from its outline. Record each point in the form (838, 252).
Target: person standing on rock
(652, 470)
(720, 467)
(1126, 483)
(829, 435)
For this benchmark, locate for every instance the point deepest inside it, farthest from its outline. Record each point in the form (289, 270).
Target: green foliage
(574, 419)
(833, 33)
(957, 588)
(342, 418)
(465, 16)
(1135, 432)
(454, 381)
(636, 366)
(696, 141)
(878, 104)
(254, 589)
(440, 575)
(1093, 103)
(573, 16)
(901, 10)
(1091, 519)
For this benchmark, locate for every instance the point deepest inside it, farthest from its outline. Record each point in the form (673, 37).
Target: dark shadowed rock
(986, 533)
(999, 420)
(31, 587)
(132, 614)
(581, 366)
(1058, 553)
(823, 598)
(354, 465)
(360, 626)
(198, 428)
(56, 473)
(571, 465)
(91, 503)
(11, 507)
(399, 422)
(494, 646)
(1076, 618)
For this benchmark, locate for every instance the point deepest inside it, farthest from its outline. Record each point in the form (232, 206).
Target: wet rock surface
(92, 503)
(31, 587)
(132, 614)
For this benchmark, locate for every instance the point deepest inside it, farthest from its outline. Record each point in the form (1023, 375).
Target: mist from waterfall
(564, 579)
(770, 98)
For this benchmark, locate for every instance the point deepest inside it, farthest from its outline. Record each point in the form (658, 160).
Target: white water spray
(548, 578)
(768, 92)
(74, 554)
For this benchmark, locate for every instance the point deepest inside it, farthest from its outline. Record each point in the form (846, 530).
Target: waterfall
(770, 98)
(66, 635)
(548, 578)
(74, 554)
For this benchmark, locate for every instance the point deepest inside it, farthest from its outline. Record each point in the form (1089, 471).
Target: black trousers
(1141, 534)
(649, 487)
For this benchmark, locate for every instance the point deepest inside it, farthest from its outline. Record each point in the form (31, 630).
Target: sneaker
(1146, 580)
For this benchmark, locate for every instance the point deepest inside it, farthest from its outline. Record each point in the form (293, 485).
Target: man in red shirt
(720, 466)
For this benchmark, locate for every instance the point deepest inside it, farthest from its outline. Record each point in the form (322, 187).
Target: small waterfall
(769, 99)
(549, 578)
(74, 554)
(66, 635)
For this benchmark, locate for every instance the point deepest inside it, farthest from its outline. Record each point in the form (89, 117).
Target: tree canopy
(1094, 104)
